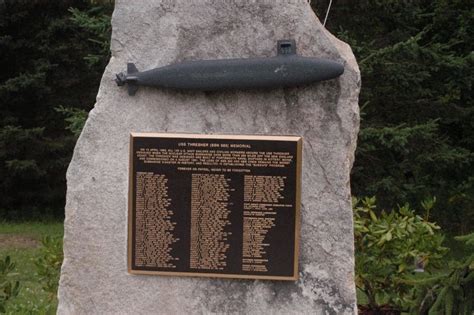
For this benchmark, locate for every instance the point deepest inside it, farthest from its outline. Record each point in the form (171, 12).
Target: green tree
(417, 136)
(42, 57)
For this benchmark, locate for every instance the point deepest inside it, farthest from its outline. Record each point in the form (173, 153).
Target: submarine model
(286, 69)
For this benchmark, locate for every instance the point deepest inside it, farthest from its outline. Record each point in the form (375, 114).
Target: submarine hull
(286, 69)
(258, 73)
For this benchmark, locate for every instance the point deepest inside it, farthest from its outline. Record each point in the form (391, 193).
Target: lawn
(22, 242)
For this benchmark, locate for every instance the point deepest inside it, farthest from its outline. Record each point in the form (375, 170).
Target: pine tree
(417, 110)
(42, 55)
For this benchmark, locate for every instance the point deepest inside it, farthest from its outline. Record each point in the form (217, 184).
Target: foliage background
(42, 52)
(416, 138)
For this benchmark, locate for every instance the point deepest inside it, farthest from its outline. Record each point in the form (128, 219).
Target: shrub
(48, 264)
(389, 247)
(450, 291)
(8, 289)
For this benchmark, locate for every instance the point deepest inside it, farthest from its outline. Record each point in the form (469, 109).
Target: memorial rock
(151, 34)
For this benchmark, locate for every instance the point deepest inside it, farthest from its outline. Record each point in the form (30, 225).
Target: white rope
(327, 13)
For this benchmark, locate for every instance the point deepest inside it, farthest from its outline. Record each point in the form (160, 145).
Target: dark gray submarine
(287, 69)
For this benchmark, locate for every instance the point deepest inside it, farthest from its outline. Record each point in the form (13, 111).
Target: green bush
(48, 264)
(449, 291)
(8, 289)
(388, 248)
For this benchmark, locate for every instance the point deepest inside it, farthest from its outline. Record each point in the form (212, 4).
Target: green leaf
(373, 216)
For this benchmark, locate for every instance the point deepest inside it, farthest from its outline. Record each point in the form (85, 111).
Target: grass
(21, 241)
(36, 230)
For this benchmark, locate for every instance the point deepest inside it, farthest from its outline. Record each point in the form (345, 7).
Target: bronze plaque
(214, 205)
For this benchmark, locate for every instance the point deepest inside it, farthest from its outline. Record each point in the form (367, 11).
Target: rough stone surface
(152, 33)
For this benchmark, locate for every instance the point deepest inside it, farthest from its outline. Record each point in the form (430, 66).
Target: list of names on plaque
(217, 206)
(154, 226)
(209, 221)
(261, 195)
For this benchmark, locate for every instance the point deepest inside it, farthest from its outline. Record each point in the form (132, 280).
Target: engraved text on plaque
(215, 206)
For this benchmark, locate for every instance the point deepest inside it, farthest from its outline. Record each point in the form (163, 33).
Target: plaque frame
(299, 152)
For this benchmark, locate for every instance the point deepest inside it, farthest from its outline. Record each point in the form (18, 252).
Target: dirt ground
(17, 241)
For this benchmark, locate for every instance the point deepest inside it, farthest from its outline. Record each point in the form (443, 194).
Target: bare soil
(17, 241)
